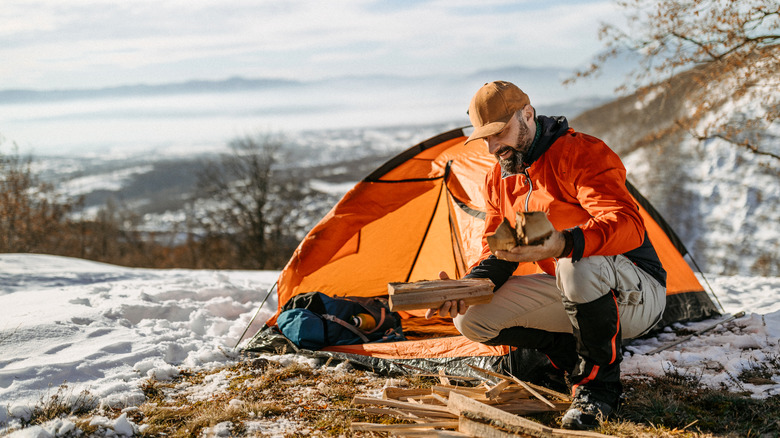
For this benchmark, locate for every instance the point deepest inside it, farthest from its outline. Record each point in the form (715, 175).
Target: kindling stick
(686, 337)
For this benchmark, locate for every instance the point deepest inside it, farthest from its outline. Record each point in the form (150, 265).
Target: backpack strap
(379, 323)
(346, 325)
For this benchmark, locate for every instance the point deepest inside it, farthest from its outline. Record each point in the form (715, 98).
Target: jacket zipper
(530, 188)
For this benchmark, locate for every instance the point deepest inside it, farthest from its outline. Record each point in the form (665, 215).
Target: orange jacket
(581, 184)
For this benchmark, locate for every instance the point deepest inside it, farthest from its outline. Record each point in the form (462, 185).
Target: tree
(243, 204)
(33, 217)
(731, 43)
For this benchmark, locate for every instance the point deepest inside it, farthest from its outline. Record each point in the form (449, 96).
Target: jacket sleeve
(599, 182)
(489, 266)
(497, 270)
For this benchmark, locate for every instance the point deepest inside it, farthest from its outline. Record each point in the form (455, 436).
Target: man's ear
(528, 113)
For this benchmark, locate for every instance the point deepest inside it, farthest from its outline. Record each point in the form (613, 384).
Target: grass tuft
(674, 405)
(61, 404)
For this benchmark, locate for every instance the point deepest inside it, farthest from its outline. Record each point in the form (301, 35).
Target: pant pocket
(630, 298)
(629, 284)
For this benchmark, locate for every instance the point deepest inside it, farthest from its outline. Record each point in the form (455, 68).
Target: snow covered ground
(105, 329)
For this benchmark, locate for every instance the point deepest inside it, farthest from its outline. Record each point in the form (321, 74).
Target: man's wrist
(568, 244)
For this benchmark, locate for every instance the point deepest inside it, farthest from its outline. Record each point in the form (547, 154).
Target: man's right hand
(448, 308)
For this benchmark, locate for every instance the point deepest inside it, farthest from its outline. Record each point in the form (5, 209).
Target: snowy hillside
(105, 329)
(721, 199)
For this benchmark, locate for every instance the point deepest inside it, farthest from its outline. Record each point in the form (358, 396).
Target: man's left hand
(552, 247)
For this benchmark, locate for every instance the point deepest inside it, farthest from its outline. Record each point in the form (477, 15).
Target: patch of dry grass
(255, 394)
(257, 391)
(63, 403)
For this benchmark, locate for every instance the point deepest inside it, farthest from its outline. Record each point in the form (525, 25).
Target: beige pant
(536, 301)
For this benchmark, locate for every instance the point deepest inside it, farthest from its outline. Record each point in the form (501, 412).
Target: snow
(112, 181)
(105, 329)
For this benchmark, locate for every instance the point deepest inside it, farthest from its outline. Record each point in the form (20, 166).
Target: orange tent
(421, 213)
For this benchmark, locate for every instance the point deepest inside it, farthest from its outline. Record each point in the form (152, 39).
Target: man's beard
(514, 164)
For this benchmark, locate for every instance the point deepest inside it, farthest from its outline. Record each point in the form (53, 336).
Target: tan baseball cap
(493, 106)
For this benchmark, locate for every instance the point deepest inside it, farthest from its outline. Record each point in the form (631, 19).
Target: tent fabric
(423, 212)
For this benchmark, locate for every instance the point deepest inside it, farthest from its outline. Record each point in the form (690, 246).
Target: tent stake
(256, 313)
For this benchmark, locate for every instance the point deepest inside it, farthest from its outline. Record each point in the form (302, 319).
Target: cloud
(104, 42)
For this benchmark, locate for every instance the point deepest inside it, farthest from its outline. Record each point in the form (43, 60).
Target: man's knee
(584, 281)
(472, 327)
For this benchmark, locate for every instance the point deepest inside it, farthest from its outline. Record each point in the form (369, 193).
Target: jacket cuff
(578, 243)
(569, 244)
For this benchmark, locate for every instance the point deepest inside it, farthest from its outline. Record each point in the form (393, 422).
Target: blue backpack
(314, 320)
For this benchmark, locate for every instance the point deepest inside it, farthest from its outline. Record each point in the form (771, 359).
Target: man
(602, 280)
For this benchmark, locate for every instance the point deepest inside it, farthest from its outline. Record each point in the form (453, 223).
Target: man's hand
(453, 308)
(552, 247)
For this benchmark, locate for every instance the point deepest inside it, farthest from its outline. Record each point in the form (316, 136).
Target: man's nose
(492, 144)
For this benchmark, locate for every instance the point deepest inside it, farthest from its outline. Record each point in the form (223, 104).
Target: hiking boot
(592, 404)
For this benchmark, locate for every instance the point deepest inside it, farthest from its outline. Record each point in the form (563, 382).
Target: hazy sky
(49, 44)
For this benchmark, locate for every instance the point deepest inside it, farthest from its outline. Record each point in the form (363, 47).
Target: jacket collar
(548, 129)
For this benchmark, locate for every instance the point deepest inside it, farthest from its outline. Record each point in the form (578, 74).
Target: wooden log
(431, 294)
(460, 403)
(504, 238)
(473, 427)
(531, 228)
(502, 421)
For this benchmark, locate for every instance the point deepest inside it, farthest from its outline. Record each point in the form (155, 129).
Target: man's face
(510, 144)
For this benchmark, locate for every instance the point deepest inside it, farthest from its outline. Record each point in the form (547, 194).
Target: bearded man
(602, 280)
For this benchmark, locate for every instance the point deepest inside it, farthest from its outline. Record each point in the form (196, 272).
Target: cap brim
(486, 130)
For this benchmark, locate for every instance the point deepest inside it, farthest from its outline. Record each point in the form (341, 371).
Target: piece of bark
(431, 294)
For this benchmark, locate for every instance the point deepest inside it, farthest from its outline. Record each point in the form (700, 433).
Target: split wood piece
(510, 393)
(410, 432)
(504, 238)
(417, 409)
(519, 382)
(373, 427)
(534, 389)
(431, 294)
(532, 228)
(494, 393)
(393, 413)
(395, 393)
(519, 405)
(474, 416)
(529, 406)
(443, 377)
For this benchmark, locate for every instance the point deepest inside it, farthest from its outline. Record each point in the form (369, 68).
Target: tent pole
(712, 291)
(257, 312)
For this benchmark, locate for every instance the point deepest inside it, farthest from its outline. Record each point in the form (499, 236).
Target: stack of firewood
(447, 410)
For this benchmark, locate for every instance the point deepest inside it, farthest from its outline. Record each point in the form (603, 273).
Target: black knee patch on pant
(597, 329)
(560, 348)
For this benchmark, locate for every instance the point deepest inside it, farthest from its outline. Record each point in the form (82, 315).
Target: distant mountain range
(548, 78)
(192, 86)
